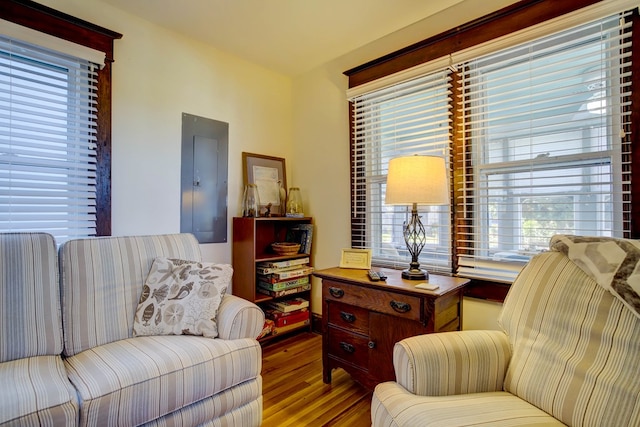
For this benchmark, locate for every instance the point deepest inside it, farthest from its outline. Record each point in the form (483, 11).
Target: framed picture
(269, 175)
(356, 258)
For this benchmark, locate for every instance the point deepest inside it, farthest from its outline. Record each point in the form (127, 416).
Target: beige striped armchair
(567, 355)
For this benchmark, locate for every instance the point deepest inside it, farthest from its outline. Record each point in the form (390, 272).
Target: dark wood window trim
(513, 18)
(50, 21)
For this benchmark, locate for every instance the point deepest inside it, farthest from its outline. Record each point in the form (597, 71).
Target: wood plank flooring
(294, 394)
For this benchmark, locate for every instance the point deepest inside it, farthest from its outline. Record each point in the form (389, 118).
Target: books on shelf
(284, 292)
(289, 304)
(303, 234)
(279, 276)
(285, 284)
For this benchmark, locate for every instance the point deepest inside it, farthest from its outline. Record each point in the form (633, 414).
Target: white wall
(158, 75)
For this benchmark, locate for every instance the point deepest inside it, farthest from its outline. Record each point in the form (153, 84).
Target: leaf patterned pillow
(181, 298)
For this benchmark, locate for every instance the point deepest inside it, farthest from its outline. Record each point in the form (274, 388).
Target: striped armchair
(568, 353)
(34, 389)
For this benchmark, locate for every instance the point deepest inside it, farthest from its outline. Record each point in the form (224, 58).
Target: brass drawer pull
(348, 317)
(399, 306)
(336, 292)
(347, 347)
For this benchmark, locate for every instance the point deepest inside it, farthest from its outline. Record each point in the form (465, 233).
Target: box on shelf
(282, 264)
(284, 292)
(284, 275)
(285, 284)
(289, 304)
(294, 317)
(281, 330)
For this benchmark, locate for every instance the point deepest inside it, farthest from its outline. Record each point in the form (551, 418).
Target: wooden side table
(362, 320)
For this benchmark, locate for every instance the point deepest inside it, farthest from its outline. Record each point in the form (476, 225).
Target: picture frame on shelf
(268, 173)
(356, 259)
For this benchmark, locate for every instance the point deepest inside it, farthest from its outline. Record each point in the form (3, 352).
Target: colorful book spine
(285, 292)
(285, 284)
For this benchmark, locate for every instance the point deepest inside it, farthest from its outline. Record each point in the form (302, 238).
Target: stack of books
(288, 314)
(280, 278)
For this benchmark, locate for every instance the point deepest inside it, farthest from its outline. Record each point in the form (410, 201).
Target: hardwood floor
(294, 394)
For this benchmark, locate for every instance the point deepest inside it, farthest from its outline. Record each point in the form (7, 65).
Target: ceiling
(288, 36)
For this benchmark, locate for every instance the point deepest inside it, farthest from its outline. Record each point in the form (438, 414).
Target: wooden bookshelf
(252, 239)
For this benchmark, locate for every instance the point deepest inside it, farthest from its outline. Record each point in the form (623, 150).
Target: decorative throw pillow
(181, 298)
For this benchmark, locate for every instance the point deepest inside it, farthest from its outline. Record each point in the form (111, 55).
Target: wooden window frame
(50, 21)
(503, 22)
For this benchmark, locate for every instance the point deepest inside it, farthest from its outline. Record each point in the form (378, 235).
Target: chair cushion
(133, 381)
(575, 346)
(392, 405)
(102, 281)
(35, 391)
(30, 323)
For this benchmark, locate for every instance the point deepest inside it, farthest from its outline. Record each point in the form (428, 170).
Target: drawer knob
(336, 292)
(347, 347)
(347, 317)
(371, 344)
(399, 306)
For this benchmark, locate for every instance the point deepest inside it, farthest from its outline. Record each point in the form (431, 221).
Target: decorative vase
(250, 201)
(294, 203)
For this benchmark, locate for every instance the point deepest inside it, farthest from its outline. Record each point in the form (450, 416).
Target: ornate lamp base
(415, 274)
(414, 237)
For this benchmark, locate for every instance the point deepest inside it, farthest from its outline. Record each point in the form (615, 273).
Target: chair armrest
(239, 318)
(451, 363)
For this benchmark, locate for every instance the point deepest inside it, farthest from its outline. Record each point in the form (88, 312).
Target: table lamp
(414, 180)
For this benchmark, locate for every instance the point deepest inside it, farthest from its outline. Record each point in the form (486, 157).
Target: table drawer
(349, 317)
(349, 347)
(397, 304)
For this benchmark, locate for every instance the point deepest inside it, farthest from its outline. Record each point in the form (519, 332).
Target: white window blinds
(411, 117)
(544, 128)
(47, 141)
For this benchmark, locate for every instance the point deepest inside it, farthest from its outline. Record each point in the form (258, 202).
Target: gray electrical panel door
(204, 178)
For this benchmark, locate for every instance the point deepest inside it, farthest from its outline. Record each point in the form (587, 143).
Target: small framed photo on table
(356, 258)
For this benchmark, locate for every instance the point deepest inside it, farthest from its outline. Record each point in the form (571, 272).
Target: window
(543, 126)
(407, 118)
(541, 140)
(41, 25)
(47, 141)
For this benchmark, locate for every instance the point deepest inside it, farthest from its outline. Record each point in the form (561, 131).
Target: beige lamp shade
(417, 179)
